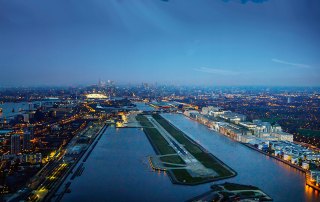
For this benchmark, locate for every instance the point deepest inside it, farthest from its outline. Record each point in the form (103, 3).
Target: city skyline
(160, 100)
(207, 42)
(106, 142)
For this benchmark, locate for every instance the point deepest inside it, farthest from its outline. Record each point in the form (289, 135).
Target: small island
(233, 192)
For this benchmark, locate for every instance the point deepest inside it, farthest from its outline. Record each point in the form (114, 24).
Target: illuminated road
(48, 179)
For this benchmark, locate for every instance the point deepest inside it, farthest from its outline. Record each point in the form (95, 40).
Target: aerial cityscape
(160, 100)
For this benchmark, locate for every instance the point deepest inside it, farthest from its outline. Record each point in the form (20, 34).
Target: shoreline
(69, 172)
(256, 149)
(275, 157)
(269, 155)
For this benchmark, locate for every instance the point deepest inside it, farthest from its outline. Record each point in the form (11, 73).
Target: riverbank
(313, 186)
(83, 156)
(233, 192)
(124, 152)
(275, 157)
(256, 149)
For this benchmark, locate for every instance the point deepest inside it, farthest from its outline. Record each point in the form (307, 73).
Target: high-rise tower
(15, 144)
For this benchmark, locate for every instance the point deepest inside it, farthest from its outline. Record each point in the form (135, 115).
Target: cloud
(216, 71)
(290, 63)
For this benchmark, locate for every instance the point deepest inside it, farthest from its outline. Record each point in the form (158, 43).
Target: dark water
(143, 107)
(280, 181)
(7, 108)
(117, 169)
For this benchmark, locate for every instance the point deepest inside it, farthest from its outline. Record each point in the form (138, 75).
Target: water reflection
(10, 109)
(287, 167)
(122, 153)
(310, 192)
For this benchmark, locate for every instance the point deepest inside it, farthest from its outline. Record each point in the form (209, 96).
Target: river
(280, 181)
(143, 107)
(118, 170)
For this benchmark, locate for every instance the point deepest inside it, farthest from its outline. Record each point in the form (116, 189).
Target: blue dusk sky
(203, 42)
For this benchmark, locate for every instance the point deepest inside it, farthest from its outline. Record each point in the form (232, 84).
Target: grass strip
(205, 158)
